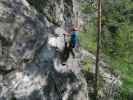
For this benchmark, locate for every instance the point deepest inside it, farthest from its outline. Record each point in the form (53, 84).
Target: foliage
(116, 40)
(87, 63)
(87, 8)
(88, 36)
(13, 98)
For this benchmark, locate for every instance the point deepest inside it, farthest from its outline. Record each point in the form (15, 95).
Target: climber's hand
(68, 45)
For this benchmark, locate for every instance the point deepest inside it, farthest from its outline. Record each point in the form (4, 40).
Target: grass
(88, 39)
(126, 72)
(88, 42)
(87, 64)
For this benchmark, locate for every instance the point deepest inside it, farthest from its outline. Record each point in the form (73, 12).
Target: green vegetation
(87, 8)
(116, 40)
(87, 38)
(13, 98)
(88, 64)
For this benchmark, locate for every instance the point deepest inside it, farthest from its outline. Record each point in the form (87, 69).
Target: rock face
(31, 45)
(31, 36)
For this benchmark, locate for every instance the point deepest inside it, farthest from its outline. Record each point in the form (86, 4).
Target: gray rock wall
(30, 68)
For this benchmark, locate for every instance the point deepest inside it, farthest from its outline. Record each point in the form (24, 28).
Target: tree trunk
(98, 51)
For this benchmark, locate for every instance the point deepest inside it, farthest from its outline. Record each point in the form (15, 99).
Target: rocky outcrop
(30, 67)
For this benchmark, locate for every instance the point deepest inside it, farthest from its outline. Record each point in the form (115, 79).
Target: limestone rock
(29, 63)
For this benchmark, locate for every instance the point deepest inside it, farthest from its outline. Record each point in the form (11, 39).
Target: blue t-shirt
(74, 39)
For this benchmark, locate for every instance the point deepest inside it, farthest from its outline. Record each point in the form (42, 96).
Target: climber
(73, 40)
(71, 43)
(66, 50)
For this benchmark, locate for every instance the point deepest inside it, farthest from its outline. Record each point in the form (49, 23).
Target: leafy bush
(116, 40)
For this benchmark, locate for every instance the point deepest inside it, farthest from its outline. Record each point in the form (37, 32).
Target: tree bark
(98, 50)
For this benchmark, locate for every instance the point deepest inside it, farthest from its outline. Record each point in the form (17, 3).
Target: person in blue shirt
(73, 41)
(70, 44)
(74, 38)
